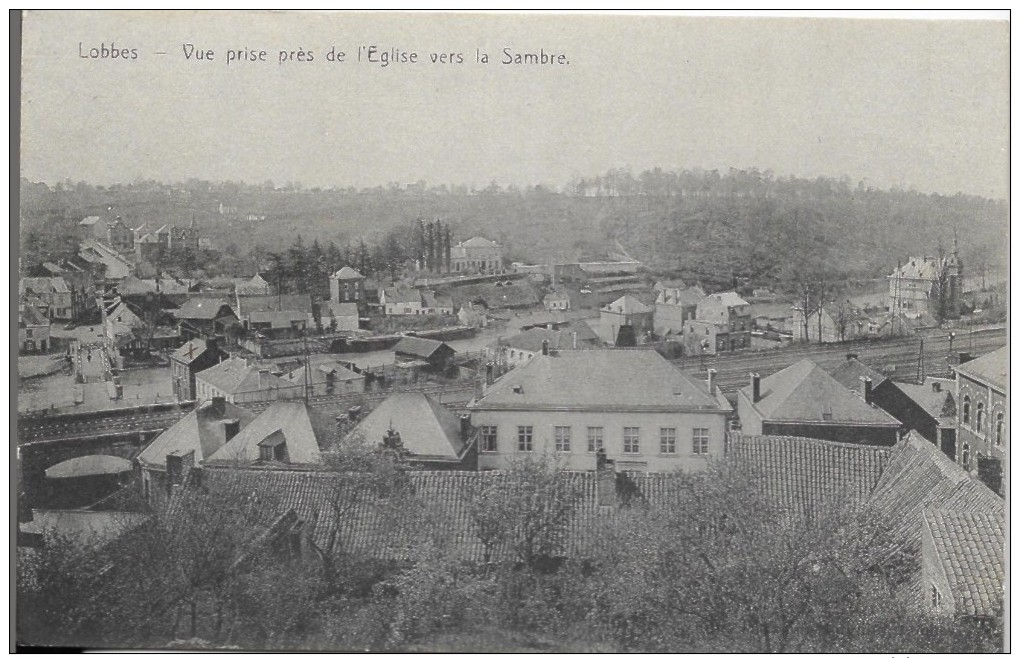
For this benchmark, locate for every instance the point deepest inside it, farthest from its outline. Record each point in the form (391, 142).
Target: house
(166, 461)
(184, 238)
(476, 255)
(205, 317)
(928, 409)
(286, 435)
(422, 431)
(953, 524)
(557, 300)
(626, 311)
(432, 353)
(194, 356)
(151, 243)
(275, 314)
(121, 320)
(53, 292)
(240, 382)
(104, 261)
(645, 413)
(982, 391)
(521, 348)
(326, 378)
(345, 314)
(346, 285)
(473, 315)
(92, 227)
(119, 236)
(33, 330)
(401, 301)
(252, 287)
(675, 305)
(804, 400)
(923, 284)
(722, 323)
(835, 323)
(434, 304)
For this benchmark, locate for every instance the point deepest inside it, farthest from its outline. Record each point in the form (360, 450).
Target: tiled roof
(319, 371)
(346, 272)
(727, 299)
(42, 284)
(970, 546)
(427, 428)
(804, 392)
(992, 368)
(918, 267)
(849, 373)
(919, 477)
(530, 340)
(236, 376)
(253, 286)
(303, 429)
(680, 296)
(626, 305)
(277, 319)
(806, 476)
(202, 308)
(200, 431)
(29, 316)
(343, 309)
(415, 346)
(190, 350)
(630, 380)
(295, 302)
(402, 296)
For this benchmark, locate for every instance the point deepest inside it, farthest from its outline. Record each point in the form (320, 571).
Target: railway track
(57, 428)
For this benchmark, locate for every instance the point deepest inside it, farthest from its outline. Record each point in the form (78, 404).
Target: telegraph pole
(920, 363)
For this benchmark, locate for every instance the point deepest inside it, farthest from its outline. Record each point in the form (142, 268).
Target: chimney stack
(545, 348)
(465, 427)
(353, 413)
(711, 381)
(936, 387)
(866, 389)
(231, 426)
(218, 405)
(605, 480)
(850, 356)
(755, 387)
(488, 374)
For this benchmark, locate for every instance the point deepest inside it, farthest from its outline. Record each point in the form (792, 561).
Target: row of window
(979, 420)
(563, 435)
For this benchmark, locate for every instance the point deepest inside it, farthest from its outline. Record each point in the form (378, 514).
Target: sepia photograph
(511, 332)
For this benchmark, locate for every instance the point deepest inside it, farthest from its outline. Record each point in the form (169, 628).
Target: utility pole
(920, 363)
(308, 373)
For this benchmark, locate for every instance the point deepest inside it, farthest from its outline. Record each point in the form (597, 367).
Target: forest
(703, 225)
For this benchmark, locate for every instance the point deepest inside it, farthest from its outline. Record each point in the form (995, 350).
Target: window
(28, 332)
(999, 427)
(699, 441)
(979, 424)
(524, 436)
(631, 440)
(562, 436)
(965, 456)
(490, 442)
(667, 440)
(594, 439)
(936, 597)
(966, 409)
(266, 453)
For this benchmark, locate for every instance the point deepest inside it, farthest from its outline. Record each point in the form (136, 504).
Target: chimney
(465, 427)
(212, 343)
(574, 335)
(392, 440)
(755, 387)
(353, 413)
(851, 356)
(605, 479)
(866, 389)
(218, 405)
(488, 374)
(231, 426)
(936, 387)
(711, 381)
(545, 348)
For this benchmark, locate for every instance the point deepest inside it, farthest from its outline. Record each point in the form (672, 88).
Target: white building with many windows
(645, 413)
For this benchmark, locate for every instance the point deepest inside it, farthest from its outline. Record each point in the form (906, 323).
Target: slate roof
(236, 376)
(295, 302)
(804, 392)
(626, 305)
(29, 316)
(202, 308)
(477, 241)
(343, 309)
(992, 368)
(431, 300)
(727, 299)
(346, 272)
(970, 546)
(920, 477)
(253, 286)
(422, 347)
(849, 373)
(318, 373)
(680, 296)
(939, 404)
(402, 296)
(810, 476)
(599, 380)
(277, 319)
(190, 350)
(303, 430)
(132, 285)
(200, 431)
(89, 465)
(530, 340)
(427, 428)
(42, 284)
(918, 267)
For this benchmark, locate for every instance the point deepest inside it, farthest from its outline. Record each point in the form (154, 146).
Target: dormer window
(273, 448)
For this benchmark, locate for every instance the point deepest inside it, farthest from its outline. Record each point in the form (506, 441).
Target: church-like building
(924, 283)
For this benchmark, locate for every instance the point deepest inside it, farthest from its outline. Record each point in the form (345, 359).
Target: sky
(915, 104)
